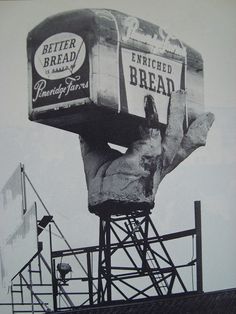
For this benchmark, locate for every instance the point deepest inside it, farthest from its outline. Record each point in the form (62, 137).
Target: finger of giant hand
(152, 119)
(174, 131)
(194, 138)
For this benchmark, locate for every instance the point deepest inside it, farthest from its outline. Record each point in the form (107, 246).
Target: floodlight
(63, 269)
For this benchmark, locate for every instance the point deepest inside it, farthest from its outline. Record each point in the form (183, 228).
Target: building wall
(217, 302)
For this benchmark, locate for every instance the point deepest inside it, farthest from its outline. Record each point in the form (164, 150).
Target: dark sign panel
(60, 70)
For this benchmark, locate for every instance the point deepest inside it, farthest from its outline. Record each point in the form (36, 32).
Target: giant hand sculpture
(119, 183)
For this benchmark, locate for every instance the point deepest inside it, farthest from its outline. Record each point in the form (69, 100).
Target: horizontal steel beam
(95, 248)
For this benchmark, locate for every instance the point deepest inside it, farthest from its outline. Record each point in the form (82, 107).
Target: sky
(52, 157)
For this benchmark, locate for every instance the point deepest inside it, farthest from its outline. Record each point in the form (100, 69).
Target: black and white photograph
(118, 156)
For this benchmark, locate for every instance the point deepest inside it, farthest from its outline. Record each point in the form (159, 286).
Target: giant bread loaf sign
(90, 71)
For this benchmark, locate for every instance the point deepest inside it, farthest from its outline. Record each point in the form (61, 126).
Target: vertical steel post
(12, 299)
(101, 247)
(198, 227)
(90, 278)
(21, 289)
(145, 244)
(108, 258)
(53, 270)
(31, 287)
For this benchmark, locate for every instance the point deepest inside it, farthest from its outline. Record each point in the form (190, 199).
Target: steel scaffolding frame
(133, 237)
(134, 232)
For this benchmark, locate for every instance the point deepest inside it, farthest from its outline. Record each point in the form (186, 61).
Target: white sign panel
(18, 231)
(149, 74)
(60, 55)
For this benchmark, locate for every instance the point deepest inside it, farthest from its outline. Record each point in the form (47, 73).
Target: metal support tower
(134, 260)
(146, 257)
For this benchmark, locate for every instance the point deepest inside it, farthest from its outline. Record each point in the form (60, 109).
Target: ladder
(150, 264)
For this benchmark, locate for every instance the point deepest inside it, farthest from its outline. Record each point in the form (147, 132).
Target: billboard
(18, 229)
(90, 71)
